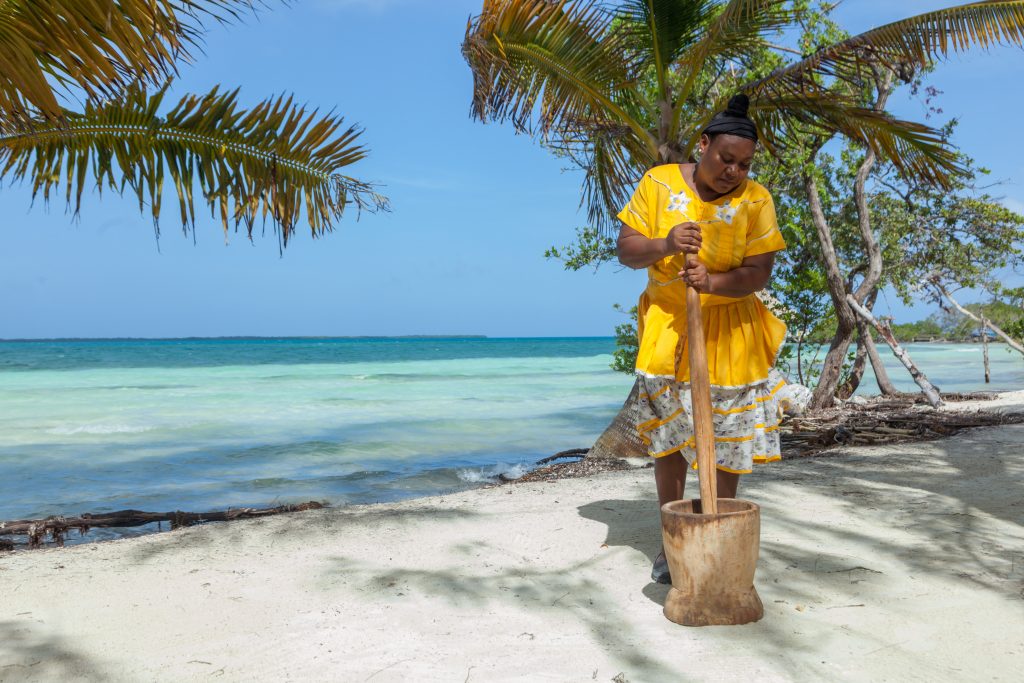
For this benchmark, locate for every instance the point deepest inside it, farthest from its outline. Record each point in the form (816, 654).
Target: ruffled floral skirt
(746, 420)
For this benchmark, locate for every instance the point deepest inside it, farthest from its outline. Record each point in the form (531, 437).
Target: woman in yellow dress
(711, 209)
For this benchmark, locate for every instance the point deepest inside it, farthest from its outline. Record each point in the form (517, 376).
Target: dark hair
(733, 121)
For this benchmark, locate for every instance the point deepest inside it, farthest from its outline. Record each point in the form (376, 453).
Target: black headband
(734, 120)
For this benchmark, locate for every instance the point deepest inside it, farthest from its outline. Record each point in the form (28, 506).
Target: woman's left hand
(697, 276)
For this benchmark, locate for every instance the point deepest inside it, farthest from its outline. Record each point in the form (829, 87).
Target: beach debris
(884, 420)
(879, 420)
(57, 527)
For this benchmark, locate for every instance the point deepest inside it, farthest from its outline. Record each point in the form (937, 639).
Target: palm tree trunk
(620, 438)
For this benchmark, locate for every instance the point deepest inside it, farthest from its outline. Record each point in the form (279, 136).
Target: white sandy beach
(899, 563)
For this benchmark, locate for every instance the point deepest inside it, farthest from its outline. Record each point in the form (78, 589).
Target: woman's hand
(696, 275)
(683, 238)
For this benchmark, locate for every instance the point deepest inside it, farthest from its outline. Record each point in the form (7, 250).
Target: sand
(900, 563)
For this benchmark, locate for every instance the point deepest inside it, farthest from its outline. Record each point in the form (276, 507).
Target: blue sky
(474, 206)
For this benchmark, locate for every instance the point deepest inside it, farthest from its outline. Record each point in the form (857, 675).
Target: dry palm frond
(97, 46)
(268, 160)
(558, 55)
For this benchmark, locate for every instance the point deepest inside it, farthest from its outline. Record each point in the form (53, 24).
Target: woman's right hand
(683, 238)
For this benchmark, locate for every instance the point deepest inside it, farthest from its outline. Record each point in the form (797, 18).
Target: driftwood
(984, 346)
(571, 453)
(57, 527)
(927, 387)
(1010, 341)
(884, 421)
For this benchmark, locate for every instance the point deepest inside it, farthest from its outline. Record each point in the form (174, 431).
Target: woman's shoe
(659, 572)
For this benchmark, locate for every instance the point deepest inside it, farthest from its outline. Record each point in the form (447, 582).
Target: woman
(713, 210)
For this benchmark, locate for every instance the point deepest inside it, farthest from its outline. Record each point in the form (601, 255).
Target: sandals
(659, 572)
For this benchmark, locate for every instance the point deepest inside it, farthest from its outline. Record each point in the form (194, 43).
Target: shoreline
(903, 561)
(553, 468)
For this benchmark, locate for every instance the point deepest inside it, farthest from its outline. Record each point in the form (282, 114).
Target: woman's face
(725, 161)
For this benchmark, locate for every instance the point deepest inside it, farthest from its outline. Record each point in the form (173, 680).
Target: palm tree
(117, 58)
(621, 88)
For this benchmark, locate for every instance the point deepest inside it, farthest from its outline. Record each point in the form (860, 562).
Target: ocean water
(94, 426)
(208, 424)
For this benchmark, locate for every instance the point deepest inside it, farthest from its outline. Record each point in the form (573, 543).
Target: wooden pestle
(700, 395)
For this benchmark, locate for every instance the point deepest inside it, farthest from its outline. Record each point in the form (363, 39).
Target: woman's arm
(639, 251)
(751, 276)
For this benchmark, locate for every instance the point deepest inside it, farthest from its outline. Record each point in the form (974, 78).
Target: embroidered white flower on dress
(726, 213)
(678, 202)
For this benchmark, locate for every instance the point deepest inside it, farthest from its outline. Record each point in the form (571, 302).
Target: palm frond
(914, 41)
(96, 46)
(660, 30)
(270, 160)
(613, 161)
(545, 64)
(916, 149)
(739, 27)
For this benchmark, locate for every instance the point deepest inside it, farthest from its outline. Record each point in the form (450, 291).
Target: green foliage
(958, 238)
(591, 248)
(929, 328)
(626, 343)
(959, 327)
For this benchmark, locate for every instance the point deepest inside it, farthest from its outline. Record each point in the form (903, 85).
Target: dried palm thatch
(97, 46)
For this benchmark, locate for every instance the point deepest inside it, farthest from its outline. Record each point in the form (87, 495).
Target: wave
(488, 474)
(100, 429)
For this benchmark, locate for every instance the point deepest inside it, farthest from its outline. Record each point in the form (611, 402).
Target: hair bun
(738, 105)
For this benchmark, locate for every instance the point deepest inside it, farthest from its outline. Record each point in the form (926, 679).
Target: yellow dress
(742, 336)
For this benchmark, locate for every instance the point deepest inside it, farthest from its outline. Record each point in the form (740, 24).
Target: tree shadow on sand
(532, 591)
(945, 512)
(28, 654)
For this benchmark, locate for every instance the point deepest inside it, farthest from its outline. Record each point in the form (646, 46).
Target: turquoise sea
(92, 426)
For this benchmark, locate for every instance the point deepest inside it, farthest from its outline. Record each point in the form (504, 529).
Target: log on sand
(58, 527)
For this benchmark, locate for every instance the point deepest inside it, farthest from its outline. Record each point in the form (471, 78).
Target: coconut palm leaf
(917, 149)
(549, 62)
(94, 46)
(659, 31)
(916, 41)
(271, 160)
(616, 164)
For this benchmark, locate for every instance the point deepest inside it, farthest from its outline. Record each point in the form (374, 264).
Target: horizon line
(283, 337)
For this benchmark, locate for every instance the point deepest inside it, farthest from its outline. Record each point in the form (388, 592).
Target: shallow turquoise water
(198, 425)
(94, 426)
